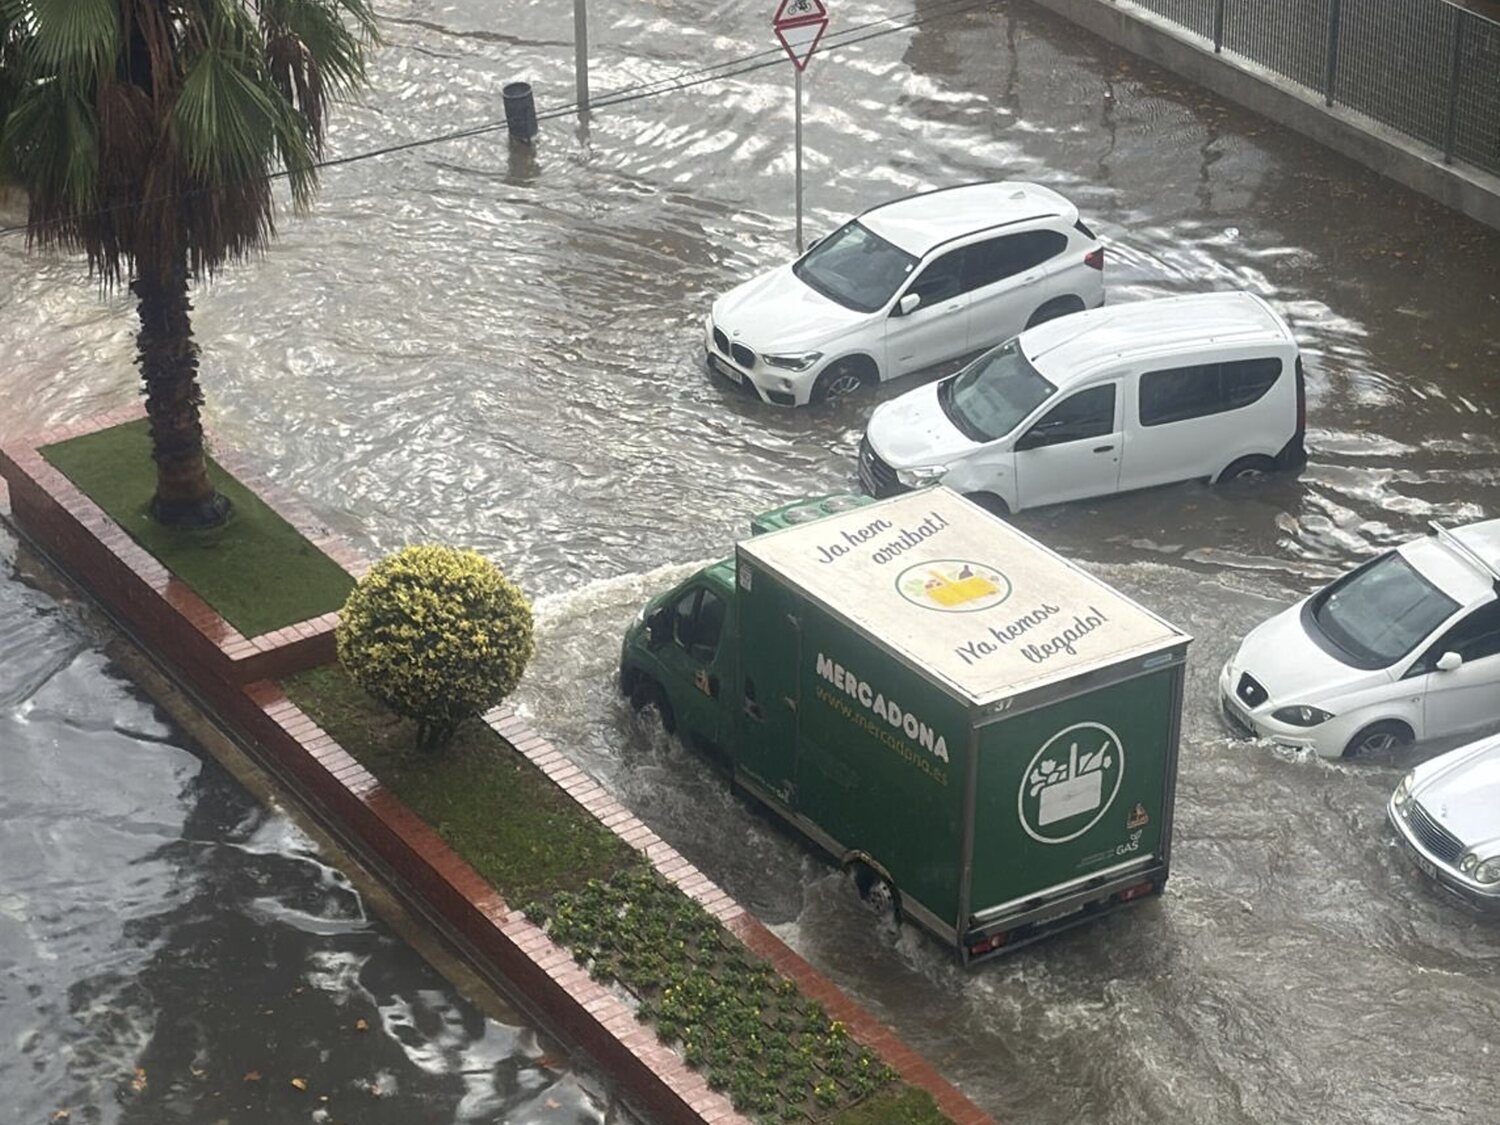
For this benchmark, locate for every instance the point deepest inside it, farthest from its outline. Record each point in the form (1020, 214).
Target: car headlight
(799, 362)
(1468, 863)
(920, 475)
(1488, 871)
(1301, 715)
(1402, 795)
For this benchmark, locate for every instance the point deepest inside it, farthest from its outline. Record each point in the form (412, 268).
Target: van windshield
(1380, 612)
(994, 394)
(855, 267)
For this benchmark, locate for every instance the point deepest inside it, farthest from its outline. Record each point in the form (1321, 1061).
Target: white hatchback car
(1447, 812)
(903, 286)
(1405, 647)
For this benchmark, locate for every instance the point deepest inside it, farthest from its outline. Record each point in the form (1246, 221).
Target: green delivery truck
(982, 732)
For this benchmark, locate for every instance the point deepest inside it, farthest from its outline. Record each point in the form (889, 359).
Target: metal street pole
(581, 53)
(798, 71)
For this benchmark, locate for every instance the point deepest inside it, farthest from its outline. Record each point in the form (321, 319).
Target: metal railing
(1426, 68)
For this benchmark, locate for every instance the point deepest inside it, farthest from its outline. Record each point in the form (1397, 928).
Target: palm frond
(79, 37)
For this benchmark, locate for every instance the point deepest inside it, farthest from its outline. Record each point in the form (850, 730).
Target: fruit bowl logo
(1076, 774)
(953, 585)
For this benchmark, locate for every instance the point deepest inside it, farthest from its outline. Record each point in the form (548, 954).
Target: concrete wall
(1392, 154)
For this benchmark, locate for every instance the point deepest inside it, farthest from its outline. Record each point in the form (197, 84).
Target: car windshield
(855, 267)
(992, 396)
(1381, 612)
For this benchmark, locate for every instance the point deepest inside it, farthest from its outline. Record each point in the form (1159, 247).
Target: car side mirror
(659, 626)
(908, 303)
(1449, 661)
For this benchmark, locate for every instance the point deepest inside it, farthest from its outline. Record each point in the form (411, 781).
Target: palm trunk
(168, 360)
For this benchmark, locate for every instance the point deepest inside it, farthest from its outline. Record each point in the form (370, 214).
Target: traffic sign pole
(799, 160)
(800, 24)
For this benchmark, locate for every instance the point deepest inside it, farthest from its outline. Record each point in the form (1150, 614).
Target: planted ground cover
(777, 1055)
(257, 570)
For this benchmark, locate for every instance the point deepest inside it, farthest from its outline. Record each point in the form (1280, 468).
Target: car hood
(1292, 667)
(1461, 790)
(776, 312)
(912, 430)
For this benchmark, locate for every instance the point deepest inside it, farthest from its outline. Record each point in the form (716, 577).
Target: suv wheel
(1058, 306)
(838, 382)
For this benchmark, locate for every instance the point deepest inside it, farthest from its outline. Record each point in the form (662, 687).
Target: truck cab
(681, 654)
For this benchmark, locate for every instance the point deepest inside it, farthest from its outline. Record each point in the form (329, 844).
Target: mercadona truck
(983, 733)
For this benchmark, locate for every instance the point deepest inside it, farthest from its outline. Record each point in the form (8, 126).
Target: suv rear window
(995, 259)
(1083, 228)
(1179, 393)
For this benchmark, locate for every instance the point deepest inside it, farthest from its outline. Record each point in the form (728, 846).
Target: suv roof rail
(1458, 546)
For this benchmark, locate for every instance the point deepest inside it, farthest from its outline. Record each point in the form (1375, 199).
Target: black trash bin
(520, 110)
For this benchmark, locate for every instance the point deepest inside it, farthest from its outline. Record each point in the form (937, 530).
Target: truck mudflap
(1038, 917)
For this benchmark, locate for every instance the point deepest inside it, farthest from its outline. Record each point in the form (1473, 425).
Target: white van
(1103, 401)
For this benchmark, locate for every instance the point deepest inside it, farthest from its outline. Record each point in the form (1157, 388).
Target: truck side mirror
(659, 626)
(908, 304)
(1449, 661)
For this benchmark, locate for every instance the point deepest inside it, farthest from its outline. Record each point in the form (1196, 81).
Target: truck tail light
(1137, 891)
(1094, 259)
(984, 945)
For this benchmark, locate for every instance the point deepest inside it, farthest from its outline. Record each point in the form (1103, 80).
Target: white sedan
(905, 285)
(1447, 812)
(1406, 647)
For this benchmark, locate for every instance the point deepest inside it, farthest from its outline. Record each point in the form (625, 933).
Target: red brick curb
(234, 674)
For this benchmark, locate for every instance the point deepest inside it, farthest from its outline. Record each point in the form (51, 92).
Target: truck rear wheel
(648, 695)
(876, 891)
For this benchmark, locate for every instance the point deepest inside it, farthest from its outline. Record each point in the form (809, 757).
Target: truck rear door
(1073, 789)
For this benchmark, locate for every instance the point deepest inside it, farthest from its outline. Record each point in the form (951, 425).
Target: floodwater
(172, 950)
(500, 347)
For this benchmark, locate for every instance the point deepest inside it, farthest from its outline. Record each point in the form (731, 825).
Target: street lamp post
(581, 53)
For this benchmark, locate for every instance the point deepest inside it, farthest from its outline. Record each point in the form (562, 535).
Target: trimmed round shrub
(437, 634)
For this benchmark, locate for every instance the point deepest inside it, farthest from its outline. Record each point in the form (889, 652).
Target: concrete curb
(1376, 146)
(191, 638)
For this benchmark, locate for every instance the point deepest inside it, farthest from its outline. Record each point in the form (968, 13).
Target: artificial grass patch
(488, 803)
(257, 570)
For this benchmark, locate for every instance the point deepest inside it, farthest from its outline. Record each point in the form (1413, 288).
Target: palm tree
(147, 134)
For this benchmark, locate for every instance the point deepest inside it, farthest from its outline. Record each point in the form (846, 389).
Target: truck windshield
(855, 267)
(1380, 612)
(991, 397)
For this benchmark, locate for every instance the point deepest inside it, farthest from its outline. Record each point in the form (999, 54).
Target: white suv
(906, 285)
(1405, 647)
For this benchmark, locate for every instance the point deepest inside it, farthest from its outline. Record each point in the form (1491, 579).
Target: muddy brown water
(500, 347)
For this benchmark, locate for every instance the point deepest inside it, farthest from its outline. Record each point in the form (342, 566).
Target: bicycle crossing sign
(800, 24)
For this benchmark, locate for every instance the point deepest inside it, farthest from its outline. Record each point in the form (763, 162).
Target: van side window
(1087, 414)
(1179, 393)
(698, 619)
(995, 259)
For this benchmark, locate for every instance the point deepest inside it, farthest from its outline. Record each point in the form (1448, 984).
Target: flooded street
(487, 346)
